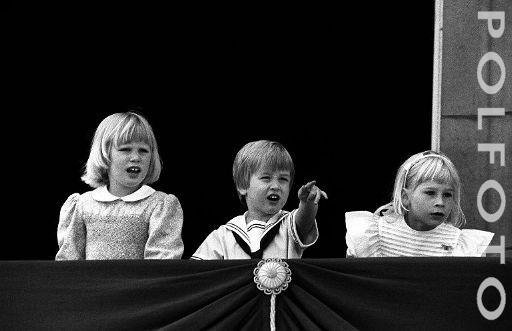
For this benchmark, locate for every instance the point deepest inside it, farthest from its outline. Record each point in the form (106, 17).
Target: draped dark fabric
(324, 294)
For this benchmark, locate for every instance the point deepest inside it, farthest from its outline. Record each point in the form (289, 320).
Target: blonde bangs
(434, 169)
(133, 130)
(424, 167)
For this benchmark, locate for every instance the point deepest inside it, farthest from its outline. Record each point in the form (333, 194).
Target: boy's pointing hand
(311, 192)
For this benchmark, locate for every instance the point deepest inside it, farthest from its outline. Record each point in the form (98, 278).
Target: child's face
(429, 204)
(129, 166)
(267, 193)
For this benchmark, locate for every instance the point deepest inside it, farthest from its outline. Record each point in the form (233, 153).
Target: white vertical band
(437, 77)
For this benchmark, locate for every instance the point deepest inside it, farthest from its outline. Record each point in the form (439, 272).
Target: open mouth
(133, 170)
(273, 197)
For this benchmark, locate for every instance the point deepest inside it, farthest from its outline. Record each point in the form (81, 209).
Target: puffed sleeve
(362, 236)
(472, 242)
(67, 212)
(210, 248)
(165, 224)
(71, 231)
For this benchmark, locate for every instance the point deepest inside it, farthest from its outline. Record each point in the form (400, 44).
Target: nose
(135, 156)
(274, 185)
(439, 202)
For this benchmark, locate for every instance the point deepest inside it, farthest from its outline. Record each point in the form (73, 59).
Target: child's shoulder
(359, 218)
(223, 233)
(473, 242)
(385, 212)
(235, 223)
(75, 198)
(163, 196)
(359, 222)
(162, 200)
(88, 195)
(362, 233)
(70, 203)
(76, 201)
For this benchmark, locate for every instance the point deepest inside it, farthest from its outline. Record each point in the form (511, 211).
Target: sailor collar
(238, 225)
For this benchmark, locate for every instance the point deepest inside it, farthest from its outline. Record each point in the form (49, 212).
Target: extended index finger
(319, 194)
(309, 185)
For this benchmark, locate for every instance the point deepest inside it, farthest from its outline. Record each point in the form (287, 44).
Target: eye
(448, 195)
(265, 177)
(143, 150)
(430, 193)
(284, 179)
(123, 149)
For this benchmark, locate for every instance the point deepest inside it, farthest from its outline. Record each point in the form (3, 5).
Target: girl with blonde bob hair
(425, 166)
(424, 218)
(122, 218)
(113, 131)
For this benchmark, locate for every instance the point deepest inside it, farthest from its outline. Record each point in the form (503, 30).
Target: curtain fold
(324, 294)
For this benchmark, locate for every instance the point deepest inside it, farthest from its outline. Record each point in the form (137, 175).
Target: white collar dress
(371, 235)
(97, 225)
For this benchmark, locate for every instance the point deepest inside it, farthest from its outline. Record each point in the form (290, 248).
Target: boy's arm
(210, 248)
(309, 195)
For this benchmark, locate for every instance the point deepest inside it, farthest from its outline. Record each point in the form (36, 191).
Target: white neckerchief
(255, 230)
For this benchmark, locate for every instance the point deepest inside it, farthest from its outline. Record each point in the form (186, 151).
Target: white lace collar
(441, 228)
(102, 194)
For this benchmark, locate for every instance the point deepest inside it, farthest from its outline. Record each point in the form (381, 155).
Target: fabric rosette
(272, 276)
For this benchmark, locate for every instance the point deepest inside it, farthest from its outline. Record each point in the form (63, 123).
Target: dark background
(346, 89)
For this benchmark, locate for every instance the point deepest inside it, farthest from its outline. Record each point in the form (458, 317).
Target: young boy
(263, 173)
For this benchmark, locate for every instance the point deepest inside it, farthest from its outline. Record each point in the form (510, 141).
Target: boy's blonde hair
(256, 154)
(115, 130)
(426, 166)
